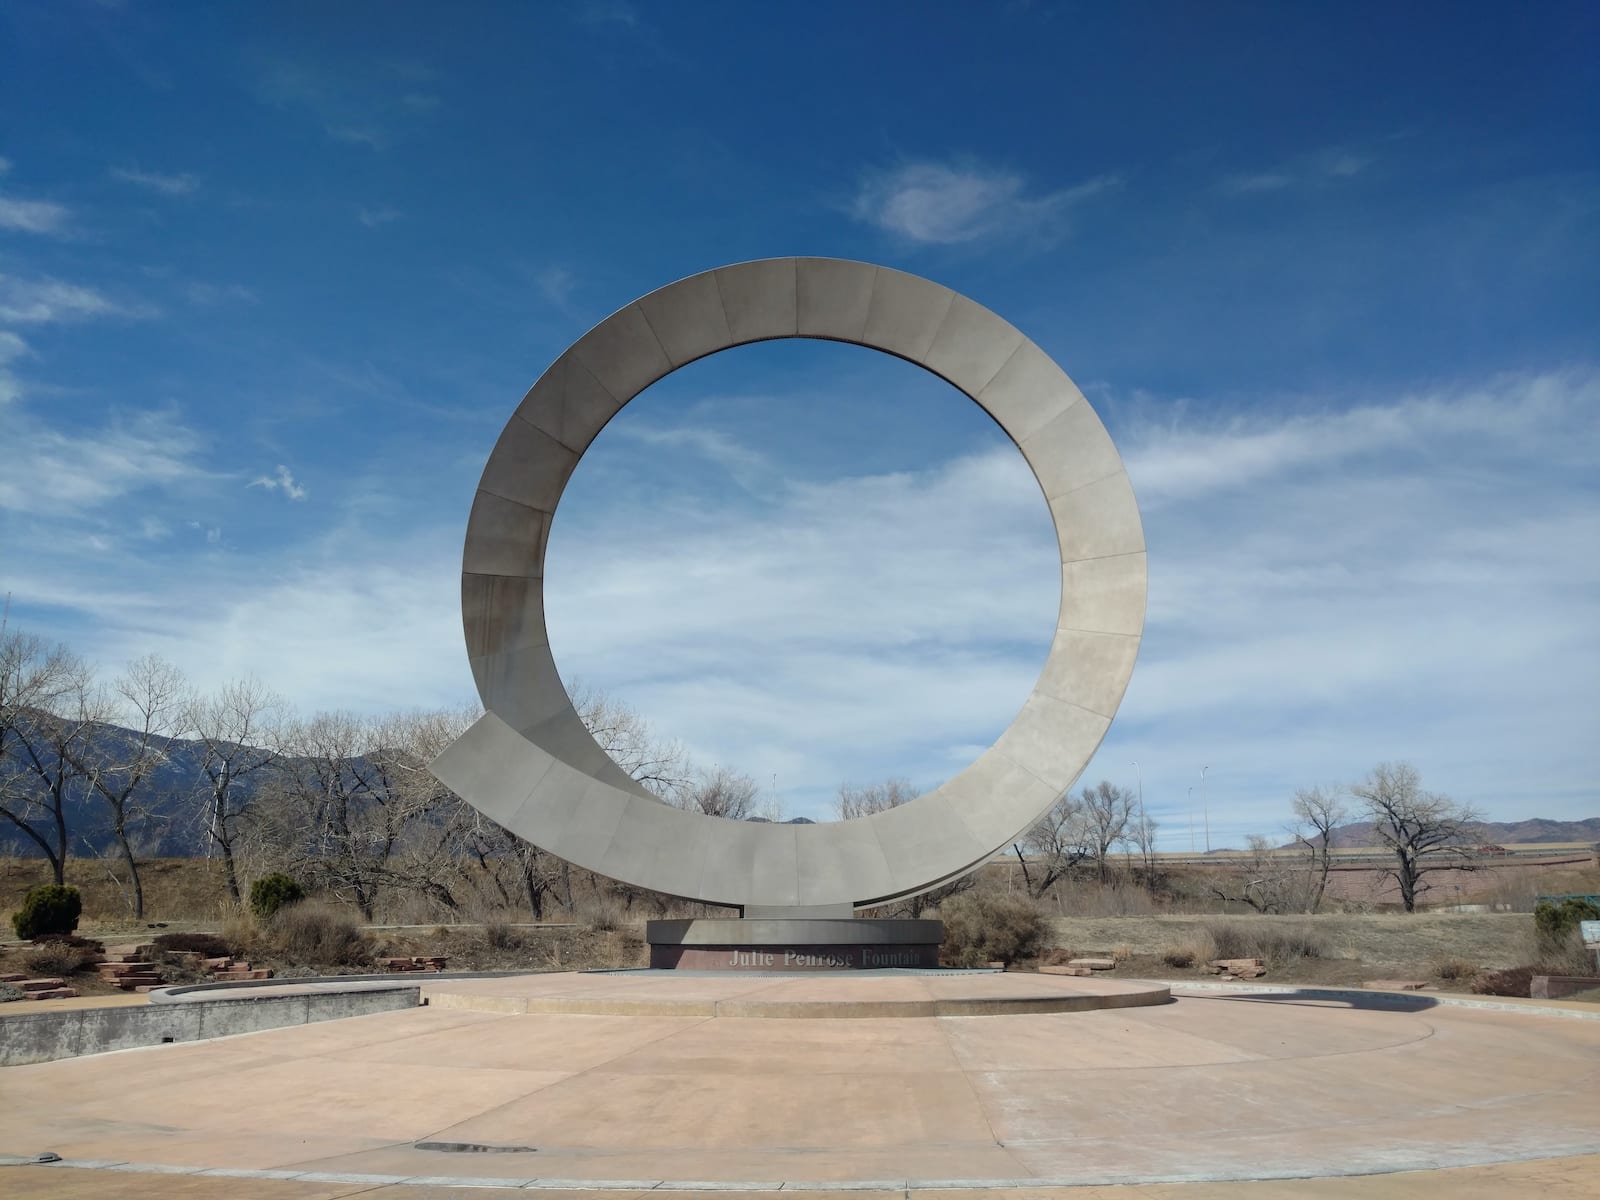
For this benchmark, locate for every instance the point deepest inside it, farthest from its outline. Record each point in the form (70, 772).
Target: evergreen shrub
(272, 892)
(46, 909)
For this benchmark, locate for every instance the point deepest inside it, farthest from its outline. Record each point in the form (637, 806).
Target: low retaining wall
(67, 1033)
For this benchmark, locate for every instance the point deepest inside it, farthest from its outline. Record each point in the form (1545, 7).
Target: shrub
(1555, 921)
(1273, 943)
(208, 945)
(319, 935)
(273, 892)
(9, 992)
(48, 908)
(1513, 981)
(1454, 969)
(983, 927)
(58, 958)
(1195, 948)
(499, 935)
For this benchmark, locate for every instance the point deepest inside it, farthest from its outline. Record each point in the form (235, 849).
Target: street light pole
(1205, 808)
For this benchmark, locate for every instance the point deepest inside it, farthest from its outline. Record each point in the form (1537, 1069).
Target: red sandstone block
(59, 993)
(1554, 987)
(1396, 985)
(1236, 964)
(1094, 964)
(217, 964)
(1058, 970)
(43, 983)
(12, 978)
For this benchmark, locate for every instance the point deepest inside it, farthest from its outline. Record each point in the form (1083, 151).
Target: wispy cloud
(942, 203)
(181, 184)
(358, 135)
(212, 295)
(613, 14)
(368, 103)
(555, 284)
(372, 218)
(282, 480)
(5, 165)
(12, 348)
(69, 472)
(1323, 167)
(33, 216)
(45, 300)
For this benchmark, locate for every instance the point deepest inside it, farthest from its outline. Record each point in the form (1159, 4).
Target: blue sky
(273, 278)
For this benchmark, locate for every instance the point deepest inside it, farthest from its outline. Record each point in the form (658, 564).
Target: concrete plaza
(1311, 1097)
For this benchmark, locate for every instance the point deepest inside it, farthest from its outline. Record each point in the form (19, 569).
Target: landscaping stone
(1064, 970)
(1094, 964)
(1396, 985)
(1554, 987)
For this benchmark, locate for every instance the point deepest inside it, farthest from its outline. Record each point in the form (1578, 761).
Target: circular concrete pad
(861, 995)
(1216, 1087)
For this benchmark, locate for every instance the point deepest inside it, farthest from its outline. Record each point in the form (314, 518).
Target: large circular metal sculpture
(530, 764)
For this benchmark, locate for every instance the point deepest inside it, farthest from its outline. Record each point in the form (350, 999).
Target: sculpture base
(793, 944)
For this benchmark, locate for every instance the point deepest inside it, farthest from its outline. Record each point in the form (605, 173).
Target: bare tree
(661, 766)
(723, 792)
(1317, 811)
(1143, 838)
(1423, 831)
(862, 801)
(1057, 844)
(48, 708)
(1107, 812)
(148, 702)
(853, 801)
(1264, 879)
(240, 729)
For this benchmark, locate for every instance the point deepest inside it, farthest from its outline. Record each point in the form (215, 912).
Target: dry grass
(1195, 948)
(314, 934)
(57, 958)
(1450, 968)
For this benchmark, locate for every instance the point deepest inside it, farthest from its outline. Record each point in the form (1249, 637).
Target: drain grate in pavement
(474, 1148)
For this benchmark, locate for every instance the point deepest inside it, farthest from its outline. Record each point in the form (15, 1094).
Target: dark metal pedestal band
(802, 944)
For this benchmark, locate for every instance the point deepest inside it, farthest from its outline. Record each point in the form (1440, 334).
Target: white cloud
(32, 216)
(181, 184)
(374, 217)
(12, 348)
(1405, 576)
(210, 295)
(44, 300)
(5, 165)
(83, 470)
(358, 135)
(939, 203)
(602, 14)
(555, 284)
(154, 529)
(281, 480)
(1302, 171)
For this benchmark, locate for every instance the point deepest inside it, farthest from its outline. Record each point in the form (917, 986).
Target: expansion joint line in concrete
(544, 1087)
